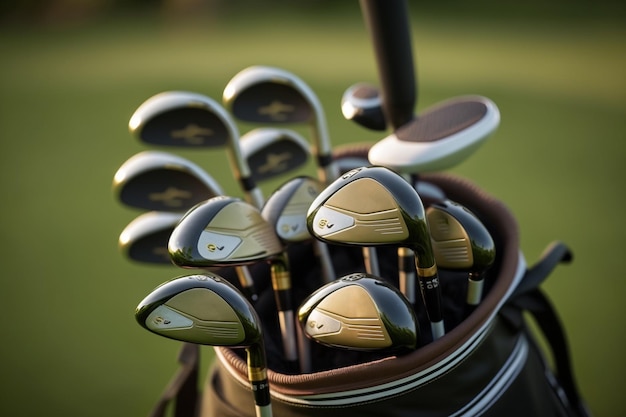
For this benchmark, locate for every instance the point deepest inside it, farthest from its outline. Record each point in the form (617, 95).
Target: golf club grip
(388, 24)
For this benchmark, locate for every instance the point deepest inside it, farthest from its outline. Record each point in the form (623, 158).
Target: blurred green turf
(71, 345)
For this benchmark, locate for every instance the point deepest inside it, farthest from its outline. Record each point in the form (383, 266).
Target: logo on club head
(276, 110)
(161, 321)
(286, 228)
(192, 134)
(324, 224)
(275, 163)
(212, 247)
(171, 197)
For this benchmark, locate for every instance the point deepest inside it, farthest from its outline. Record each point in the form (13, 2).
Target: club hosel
(281, 282)
(260, 386)
(431, 291)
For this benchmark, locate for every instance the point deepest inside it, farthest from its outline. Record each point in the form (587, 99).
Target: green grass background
(70, 345)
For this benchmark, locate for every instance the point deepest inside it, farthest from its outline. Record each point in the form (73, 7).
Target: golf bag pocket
(488, 362)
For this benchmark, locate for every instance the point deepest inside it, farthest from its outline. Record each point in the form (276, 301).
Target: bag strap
(183, 387)
(529, 297)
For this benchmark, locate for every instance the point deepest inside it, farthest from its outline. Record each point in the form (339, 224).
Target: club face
(145, 238)
(273, 152)
(222, 231)
(180, 119)
(368, 206)
(160, 181)
(203, 309)
(261, 94)
(287, 207)
(361, 312)
(439, 138)
(459, 238)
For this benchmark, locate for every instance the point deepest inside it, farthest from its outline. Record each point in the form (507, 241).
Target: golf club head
(262, 94)
(200, 308)
(154, 180)
(362, 104)
(371, 206)
(145, 238)
(441, 137)
(460, 240)
(222, 231)
(286, 208)
(360, 312)
(272, 152)
(181, 119)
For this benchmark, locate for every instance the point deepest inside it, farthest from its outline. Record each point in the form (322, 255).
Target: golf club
(271, 152)
(154, 180)
(206, 309)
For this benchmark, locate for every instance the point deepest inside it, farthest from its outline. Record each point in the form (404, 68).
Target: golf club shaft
(388, 25)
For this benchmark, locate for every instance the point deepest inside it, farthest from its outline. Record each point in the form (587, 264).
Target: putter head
(371, 206)
(272, 152)
(145, 238)
(286, 208)
(182, 119)
(261, 94)
(460, 240)
(204, 309)
(154, 180)
(439, 138)
(362, 104)
(222, 231)
(360, 312)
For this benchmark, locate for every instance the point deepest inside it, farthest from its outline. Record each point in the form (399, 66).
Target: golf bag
(488, 363)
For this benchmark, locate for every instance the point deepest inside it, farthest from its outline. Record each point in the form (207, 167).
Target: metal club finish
(375, 206)
(206, 309)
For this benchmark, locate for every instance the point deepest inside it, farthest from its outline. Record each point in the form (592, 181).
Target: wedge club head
(154, 180)
(272, 152)
(145, 238)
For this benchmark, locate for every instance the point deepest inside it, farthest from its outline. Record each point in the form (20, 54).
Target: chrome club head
(272, 152)
(154, 180)
(360, 311)
(145, 238)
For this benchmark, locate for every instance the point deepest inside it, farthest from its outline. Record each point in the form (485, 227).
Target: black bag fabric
(488, 363)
